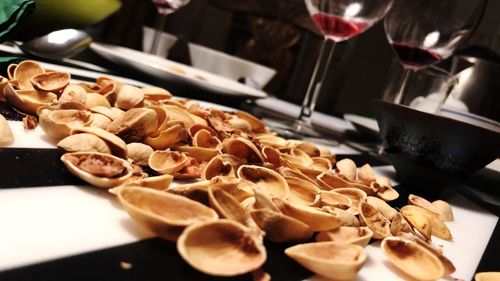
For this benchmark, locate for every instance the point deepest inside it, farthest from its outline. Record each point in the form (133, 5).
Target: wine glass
(164, 8)
(338, 20)
(424, 32)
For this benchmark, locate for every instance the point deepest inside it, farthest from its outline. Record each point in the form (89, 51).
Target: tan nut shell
(347, 168)
(94, 99)
(117, 145)
(329, 259)
(356, 196)
(266, 180)
(74, 93)
(27, 101)
(84, 143)
(413, 259)
(6, 136)
(139, 153)
(243, 149)
(385, 209)
(134, 125)
(257, 124)
(221, 165)
(347, 234)
(51, 81)
(347, 218)
(423, 203)
(100, 121)
(487, 276)
(228, 207)
(163, 213)
(129, 97)
(418, 216)
(24, 71)
(167, 162)
(58, 124)
(372, 218)
(168, 137)
(279, 227)
(157, 182)
(337, 200)
(302, 192)
(366, 174)
(201, 154)
(444, 209)
(98, 169)
(221, 248)
(155, 93)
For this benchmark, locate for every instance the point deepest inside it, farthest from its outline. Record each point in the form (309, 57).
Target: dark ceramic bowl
(430, 149)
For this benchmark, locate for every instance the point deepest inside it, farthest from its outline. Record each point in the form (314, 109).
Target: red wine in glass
(337, 28)
(413, 57)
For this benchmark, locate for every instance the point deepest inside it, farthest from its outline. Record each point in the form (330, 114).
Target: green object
(13, 14)
(60, 14)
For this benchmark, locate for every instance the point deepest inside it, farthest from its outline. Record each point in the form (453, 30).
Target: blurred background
(361, 69)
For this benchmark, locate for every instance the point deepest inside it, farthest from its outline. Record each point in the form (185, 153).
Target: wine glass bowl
(424, 32)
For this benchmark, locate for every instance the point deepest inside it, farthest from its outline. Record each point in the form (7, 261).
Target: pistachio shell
(347, 234)
(302, 192)
(356, 196)
(163, 213)
(24, 71)
(201, 154)
(134, 125)
(279, 227)
(347, 218)
(401, 227)
(6, 136)
(10, 71)
(51, 81)
(329, 259)
(84, 143)
(423, 203)
(366, 174)
(27, 101)
(197, 191)
(93, 100)
(167, 162)
(129, 97)
(58, 124)
(264, 201)
(384, 208)
(243, 149)
(370, 216)
(203, 138)
(74, 93)
(174, 113)
(118, 146)
(167, 138)
(221, 165)
(444, 209)
(266, 180)
(413, 259)
(271, 140)
(222, 248)
(335, 199)
(385, 192)
(157, 182)
(311, 149)
(228, 207)
(256, 124)
(415, 215)
(346, 168)
(99, 169)
(316, 219)
(100, 121)
(487, 276)
(139, 153)
(155, 93)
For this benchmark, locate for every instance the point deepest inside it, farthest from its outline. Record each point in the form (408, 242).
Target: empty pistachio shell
(366, 174)
(263, 200)
(6, 136)
(167, 138)
(418, 216)
(302, 192)
(155, 93)
(337, 200)
(167, 162)
(316, 219)
(329, 259)
(423, 203)
(221, 248)
(386, 192)
(83, 143)
(347, 168)
(222, 165)
(243, 149)
(99, 169)
(347, 234)
(100, 121)
(94, 99)
(271, 140)
(134, 125)
(257, 124)
(158, 182)
(163, 213)
(73, 93)
(175, 113)
(197, 191)
(228, 207)
(51, 81)
(347, 218)
(413, 259)
(129, 97)
(58, 124)
(266, 180)
(356, 196)
(449, 267)
(384, 208)
(203, 138)
(370, 216)
(279, 227)
(10, 71)
(28, 101)
(117, 145)
(487, 276)
(444, 209)
(24, 71)
(308, 147)
(201, 154)
(400, 226)
(139, 153)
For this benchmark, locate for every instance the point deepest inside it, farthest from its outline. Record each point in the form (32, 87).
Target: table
(56, 228)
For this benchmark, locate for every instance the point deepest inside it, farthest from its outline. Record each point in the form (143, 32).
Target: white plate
(363, 124)
(166, 69)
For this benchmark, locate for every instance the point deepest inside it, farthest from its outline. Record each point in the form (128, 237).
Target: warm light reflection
(61, 36)
(431, 39)
(353, 10)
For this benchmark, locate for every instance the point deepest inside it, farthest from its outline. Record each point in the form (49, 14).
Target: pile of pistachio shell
(241, 183)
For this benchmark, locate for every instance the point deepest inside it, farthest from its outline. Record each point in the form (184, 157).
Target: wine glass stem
(314, 88)
(402, 86)
(160, 24)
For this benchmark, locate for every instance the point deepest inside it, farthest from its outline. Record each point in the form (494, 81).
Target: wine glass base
(298, 130)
